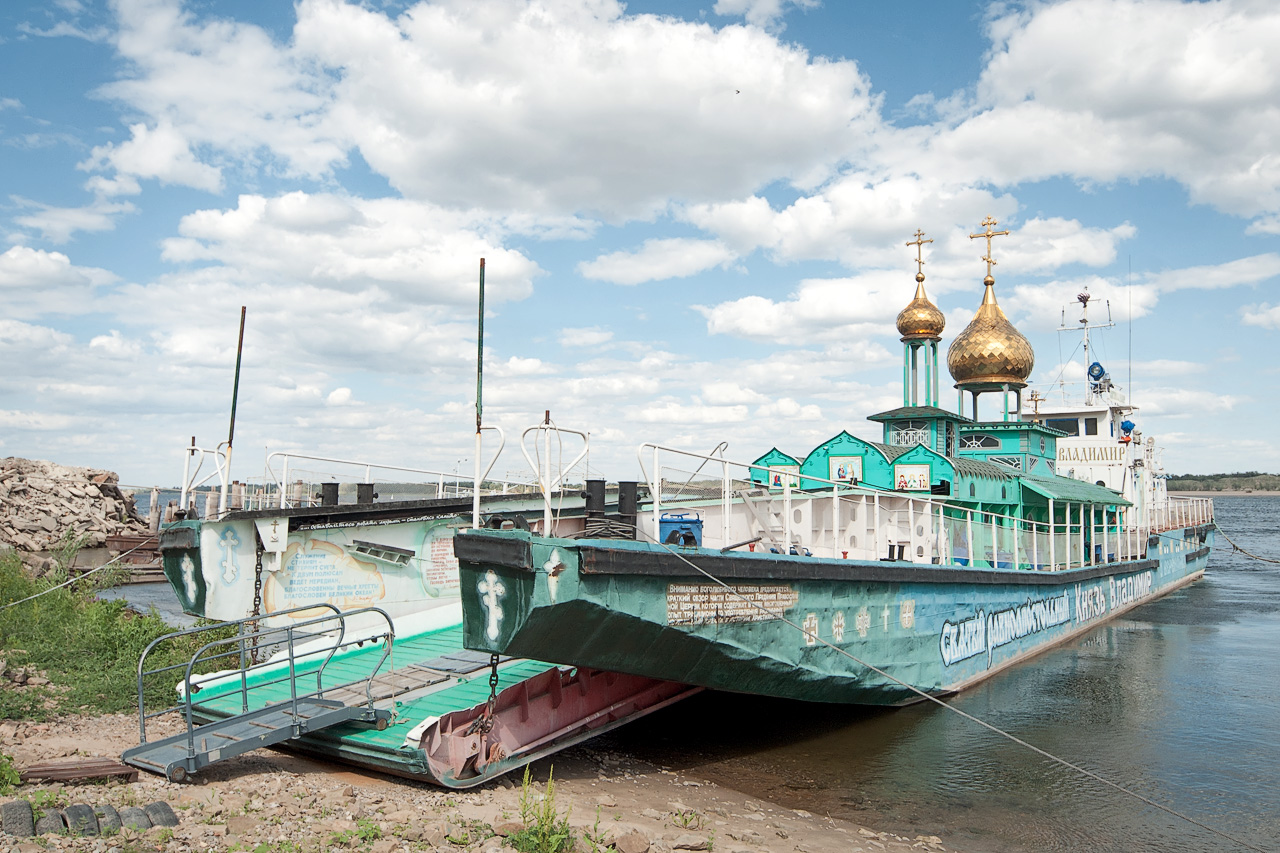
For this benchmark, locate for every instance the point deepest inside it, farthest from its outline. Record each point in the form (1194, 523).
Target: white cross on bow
(491, 589)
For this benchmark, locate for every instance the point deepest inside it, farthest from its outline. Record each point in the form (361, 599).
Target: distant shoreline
(1228, 493)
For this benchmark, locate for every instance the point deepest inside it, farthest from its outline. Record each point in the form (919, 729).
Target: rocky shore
(46, 508)
(276, 802)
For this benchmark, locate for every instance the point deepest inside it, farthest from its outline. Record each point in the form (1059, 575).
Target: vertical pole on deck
(1053, 529)
(231, 431)
(726, 501)
(656, 497)
(969, 524)
(475, 483)
(546, 482)
(1082, 542)
(1017, 530)
(1105, 549)
(835, 520)
(786, 514)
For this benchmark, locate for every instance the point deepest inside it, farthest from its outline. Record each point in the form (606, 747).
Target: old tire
(17, 820)
(51, 821)
(108, 819)
(135, 818)
(81, 820)
(160, 814)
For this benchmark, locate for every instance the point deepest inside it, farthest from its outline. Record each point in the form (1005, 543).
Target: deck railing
(838, 519)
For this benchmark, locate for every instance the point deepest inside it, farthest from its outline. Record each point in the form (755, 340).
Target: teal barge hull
(645, 610)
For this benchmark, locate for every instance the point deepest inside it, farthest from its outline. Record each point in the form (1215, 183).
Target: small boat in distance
(859, 572)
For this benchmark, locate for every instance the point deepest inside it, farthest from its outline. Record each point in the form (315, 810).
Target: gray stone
(690, 842)
(632, 842)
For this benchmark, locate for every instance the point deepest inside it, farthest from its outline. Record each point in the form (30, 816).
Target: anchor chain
(257, 597)
(483, 724)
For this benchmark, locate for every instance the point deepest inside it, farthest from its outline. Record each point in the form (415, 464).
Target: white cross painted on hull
(491, 589)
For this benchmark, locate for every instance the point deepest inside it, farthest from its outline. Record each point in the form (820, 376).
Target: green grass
(89, 649)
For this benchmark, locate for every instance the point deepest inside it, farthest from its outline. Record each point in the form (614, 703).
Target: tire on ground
(135, 818)
(81, 820)
(160, 814)
(108, 819)
(51, 821)
(16, 819)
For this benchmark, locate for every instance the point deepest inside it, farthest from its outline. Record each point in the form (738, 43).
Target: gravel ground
(276, 802)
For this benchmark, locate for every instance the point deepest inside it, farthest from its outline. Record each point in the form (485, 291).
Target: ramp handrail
(290, 634)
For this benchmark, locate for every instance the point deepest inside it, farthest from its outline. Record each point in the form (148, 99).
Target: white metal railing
(549, 481)
(841, 520)
(221, 456)
(458, 480)
(1177, 512)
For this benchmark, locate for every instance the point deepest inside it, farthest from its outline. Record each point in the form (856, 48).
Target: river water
(1177, 700)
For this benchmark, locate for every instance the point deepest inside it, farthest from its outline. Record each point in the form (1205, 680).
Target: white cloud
(593, 336)
(57, 224)
(419, 253)
(1250, 270)
(729, 394)
(575, 106)
(1264, 315)
(161, 153)
(1104, 90)
(34, 282)
(761, 13)
(658, 260)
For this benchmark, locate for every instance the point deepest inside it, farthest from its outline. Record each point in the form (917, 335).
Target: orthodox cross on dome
(919, 244)
(987, 223)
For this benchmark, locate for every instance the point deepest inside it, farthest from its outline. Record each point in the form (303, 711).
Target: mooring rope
(1235, 547)
(81, 576)
(970, 717)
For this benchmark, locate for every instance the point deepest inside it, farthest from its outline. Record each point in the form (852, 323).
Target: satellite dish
(1096, 371)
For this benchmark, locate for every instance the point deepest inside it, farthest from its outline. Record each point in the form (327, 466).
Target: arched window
(979, 441)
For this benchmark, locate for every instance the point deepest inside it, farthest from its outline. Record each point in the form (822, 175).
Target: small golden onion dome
(990, 352)
(921, 319)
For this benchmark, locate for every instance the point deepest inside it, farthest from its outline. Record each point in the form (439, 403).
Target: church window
(910, 433)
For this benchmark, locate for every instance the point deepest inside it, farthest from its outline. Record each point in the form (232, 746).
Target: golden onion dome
(990, 351)
(921, 319)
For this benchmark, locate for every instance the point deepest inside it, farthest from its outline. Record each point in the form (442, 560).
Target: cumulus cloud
(593, 336)
(416, 251)
(58, 224)
(657, 260)
(161, 153)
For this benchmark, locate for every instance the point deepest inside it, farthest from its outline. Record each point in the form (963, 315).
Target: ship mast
(1084, 326)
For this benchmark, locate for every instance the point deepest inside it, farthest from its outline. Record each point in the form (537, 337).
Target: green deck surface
(465, 691)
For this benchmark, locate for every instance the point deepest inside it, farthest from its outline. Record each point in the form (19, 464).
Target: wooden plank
(76, 770)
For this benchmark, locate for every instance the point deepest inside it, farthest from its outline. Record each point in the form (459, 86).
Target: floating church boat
(860, 572)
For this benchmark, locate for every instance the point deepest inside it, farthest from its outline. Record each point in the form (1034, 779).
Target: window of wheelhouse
(1071, 426)
(1090, 426)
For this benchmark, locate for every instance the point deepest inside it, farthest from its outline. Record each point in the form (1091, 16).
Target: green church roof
(912, 412)
(1076, 491)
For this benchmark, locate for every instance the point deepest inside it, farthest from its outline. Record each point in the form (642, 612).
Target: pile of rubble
(45, 507)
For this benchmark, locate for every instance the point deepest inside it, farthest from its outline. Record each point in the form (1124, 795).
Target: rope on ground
(79, 577)
(1235, 547)
(971, 718)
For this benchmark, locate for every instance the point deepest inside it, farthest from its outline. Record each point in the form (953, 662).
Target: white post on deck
(1053, 529)
(1035, 547)
(1105, 555)
(995, 545)
(786, 514)
(969, 525)
(726, 505)
(284, 481)
(835, 520)
(1083, 561)
(875, 532)
(1017, 528)
(656, 497)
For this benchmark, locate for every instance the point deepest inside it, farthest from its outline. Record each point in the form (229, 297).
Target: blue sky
(694, 217)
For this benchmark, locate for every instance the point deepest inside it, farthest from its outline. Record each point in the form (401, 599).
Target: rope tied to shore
(1235, 547)
(69, 581)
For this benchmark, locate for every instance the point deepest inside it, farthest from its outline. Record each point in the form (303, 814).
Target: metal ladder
(306, 643)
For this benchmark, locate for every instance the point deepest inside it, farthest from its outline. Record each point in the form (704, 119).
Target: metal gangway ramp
(298, 652)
